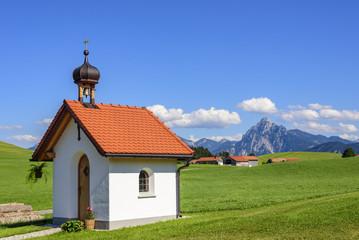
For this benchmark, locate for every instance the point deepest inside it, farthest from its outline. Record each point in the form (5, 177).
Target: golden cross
(85, 42)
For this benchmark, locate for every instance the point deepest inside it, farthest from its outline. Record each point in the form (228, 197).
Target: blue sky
(206, 68)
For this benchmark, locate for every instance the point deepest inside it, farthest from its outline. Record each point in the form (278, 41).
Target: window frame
(146, 183)
(143, 182)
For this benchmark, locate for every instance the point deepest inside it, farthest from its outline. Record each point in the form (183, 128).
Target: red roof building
(243, 161)
(273, 160)
(211, 160)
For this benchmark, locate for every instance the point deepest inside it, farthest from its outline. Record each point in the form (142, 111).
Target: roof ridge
(168, 130)
(117, 105)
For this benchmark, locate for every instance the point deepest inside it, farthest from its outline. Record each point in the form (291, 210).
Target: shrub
(72, 226)
(349, 152)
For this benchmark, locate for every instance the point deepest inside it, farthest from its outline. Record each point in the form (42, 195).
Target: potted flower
(89, 219)
(36, 172)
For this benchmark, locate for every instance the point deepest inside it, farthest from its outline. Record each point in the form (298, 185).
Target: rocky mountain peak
(263, 126)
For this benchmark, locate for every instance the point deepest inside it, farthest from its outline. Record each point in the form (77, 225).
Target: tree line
(200, 152)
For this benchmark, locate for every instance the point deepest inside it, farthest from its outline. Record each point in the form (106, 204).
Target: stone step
(19, 217)
(15, 214)
(11, 204)
(14, 207)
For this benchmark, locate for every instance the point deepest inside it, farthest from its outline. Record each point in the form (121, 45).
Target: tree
(223, 154)
(349, 152)
(200, 152)
(252, 154)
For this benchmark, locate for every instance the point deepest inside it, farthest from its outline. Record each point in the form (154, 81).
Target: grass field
(14, 163)
(303, 156)
(316, 198)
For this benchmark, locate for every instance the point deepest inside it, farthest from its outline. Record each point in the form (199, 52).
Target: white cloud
(317, 106)
(350, 137)
(46, 121)
(236, 137)
(26, 138)
(192, 138)
(212, 118)
(297, 115)
(325, 128)
(336, 115)
(296, 107)
(317, 112)
(258, 105)
(166, 114)
(347, 128)
(10, 127)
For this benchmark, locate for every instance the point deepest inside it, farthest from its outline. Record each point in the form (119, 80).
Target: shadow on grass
(46, 220)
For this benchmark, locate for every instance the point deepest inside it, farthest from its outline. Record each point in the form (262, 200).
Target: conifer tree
(349, 152)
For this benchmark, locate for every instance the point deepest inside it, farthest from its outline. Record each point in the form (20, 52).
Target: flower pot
(90, 224)
(38, 174)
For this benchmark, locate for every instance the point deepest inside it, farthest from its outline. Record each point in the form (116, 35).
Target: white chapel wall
(126, 201)
(68, 152)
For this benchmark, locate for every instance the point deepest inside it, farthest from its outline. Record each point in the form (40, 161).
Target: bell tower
(86, 77)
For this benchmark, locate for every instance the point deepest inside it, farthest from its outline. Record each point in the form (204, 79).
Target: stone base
(57, 221)
(110, 225)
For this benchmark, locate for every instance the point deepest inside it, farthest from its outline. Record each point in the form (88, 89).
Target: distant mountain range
(335, 147)
(33, 147)
(267, 137)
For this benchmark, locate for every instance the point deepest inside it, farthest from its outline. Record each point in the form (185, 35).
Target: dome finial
(85, 42)
(86, 52)
(86, 77)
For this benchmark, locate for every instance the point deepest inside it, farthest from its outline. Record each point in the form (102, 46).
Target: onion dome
(86, 73)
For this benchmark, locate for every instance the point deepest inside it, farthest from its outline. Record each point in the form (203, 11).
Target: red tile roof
(243, 158)
(284, 159)
(117, 129)
(206, 159)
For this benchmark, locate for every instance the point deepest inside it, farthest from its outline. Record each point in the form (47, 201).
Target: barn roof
(206, 159)
(243, 158)
(284, 159)
(115, 131)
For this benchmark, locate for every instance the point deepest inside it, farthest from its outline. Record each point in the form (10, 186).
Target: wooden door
(83, 187)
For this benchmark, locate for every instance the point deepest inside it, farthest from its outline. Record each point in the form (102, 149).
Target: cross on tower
(85, 42)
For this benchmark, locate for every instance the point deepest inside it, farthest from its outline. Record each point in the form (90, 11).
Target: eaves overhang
(146, 155)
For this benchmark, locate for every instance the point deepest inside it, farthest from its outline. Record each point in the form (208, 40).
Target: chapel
(117, 159)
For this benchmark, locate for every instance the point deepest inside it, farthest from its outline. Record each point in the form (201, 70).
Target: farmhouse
(208, 160)
(119, 160)
(274, 160)
(242, 161)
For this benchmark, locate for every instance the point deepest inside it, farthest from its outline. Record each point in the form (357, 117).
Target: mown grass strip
(7, 230)
(330, 217)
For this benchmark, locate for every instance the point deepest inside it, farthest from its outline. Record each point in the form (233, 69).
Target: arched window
(143, 181)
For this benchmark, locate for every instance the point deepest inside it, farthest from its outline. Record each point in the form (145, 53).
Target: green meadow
(14, 163)
(303, 156)
(315, 198)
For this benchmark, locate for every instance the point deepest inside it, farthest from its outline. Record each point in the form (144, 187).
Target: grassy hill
(14, 163)
(301, 155)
